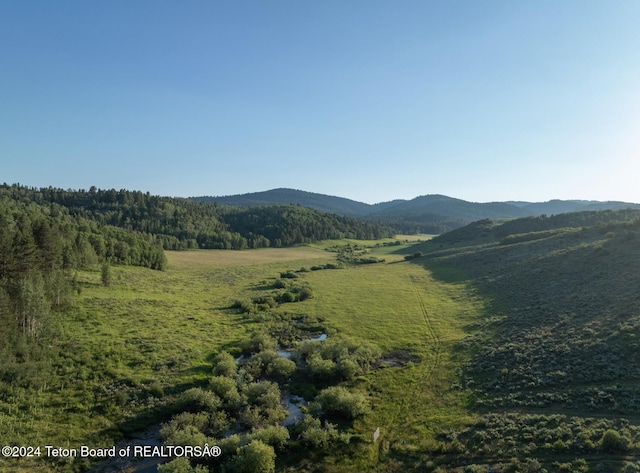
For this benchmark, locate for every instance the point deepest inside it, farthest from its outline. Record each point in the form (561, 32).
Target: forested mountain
(427, 213)
(288, 225)
(321, 202)
(440, 214)
(177, 223)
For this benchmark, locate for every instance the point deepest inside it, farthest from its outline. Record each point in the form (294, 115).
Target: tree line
(178, 223)
(40, 248)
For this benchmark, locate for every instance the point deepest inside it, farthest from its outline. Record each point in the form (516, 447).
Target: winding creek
(151, 436)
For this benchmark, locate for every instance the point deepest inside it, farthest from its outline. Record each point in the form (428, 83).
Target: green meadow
(511, 352)
(125, 351)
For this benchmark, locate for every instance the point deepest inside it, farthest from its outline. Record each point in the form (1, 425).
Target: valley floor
(126, 351)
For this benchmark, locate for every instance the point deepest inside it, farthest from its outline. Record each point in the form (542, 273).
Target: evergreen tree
(106, 274)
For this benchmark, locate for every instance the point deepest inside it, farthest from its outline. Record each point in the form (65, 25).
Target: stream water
(151, 436)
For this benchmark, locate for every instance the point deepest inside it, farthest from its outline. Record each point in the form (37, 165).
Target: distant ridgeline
(530, 228)
(177, 223)
(435, 214)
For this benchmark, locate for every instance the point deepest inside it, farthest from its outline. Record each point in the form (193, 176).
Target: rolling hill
(554, 370)
(321, 202)
(427, 213)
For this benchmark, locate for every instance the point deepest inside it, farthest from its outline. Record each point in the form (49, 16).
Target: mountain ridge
(429, 213)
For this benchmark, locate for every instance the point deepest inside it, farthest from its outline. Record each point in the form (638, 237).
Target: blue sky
(369, 100)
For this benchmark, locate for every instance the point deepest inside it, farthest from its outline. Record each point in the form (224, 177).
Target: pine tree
(106, 274)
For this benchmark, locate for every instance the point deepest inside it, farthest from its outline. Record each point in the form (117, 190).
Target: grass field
(208, 260)
(127, 348)
(402, 308)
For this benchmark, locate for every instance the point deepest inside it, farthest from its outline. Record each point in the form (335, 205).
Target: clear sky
(371, 100)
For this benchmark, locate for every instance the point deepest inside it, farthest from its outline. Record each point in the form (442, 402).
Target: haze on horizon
(372, 101)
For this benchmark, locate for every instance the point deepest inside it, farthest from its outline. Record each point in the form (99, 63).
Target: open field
(403, 309)
(128, 348)
(197, 260)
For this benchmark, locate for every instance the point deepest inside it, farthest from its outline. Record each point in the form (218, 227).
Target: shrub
(188, 435)
(263, 405)
(580, 465)
(265, 302)
(181, 465)
(106, 274)
(243, 306)
(198, 400)
(310, 432)
(339, 401)
(320, 368)
(612, 441)
(345, 358)
(225, 365)
(263, 393)
(226, 389)
(257, 365)
(303, 293)
(229, 445)
(281, 368)
(280, 284)
(256, 457)
(155, 390)
(259, 341)
(347, 369)
(274, 435)
(183, 421)
(287, 297)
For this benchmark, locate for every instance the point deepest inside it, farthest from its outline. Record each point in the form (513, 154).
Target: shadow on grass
(441, 271)
(408, 250)
(262, 287)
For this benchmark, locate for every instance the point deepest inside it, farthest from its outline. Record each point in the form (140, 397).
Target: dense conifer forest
(177, 223)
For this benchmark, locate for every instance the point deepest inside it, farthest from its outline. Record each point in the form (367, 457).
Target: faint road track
(432, 336)
(410, 402)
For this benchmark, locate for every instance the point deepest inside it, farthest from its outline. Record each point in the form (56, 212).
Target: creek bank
(151, 436)
(131, 464)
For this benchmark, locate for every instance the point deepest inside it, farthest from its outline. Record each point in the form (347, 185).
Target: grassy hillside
(556, 357)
